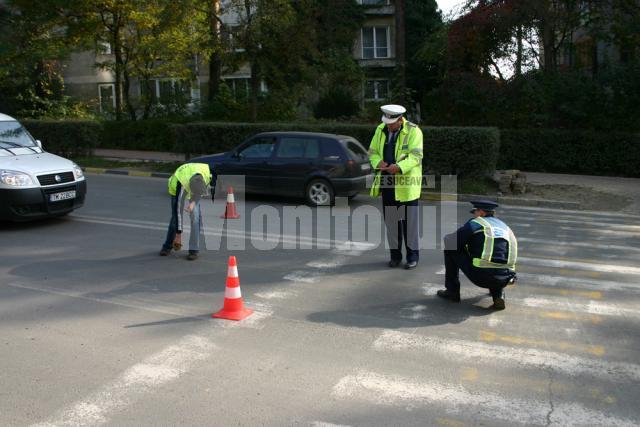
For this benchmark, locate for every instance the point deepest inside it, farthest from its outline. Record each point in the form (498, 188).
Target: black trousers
(494, 279)
(402, 220)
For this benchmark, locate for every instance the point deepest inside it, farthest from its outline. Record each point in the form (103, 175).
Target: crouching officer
(188, 184)
(485, 249)
(396, 152)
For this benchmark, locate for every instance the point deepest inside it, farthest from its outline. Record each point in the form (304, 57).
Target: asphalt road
(97, 329)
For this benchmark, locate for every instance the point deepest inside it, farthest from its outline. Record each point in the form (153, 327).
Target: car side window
(260, 148)
(298, 148)
(332, 150)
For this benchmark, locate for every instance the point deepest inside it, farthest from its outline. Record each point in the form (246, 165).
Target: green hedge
(570, 151)
(470, 152)
(69, 138)
(146, 135)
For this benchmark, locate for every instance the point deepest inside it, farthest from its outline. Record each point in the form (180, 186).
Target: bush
(470, 152)
(69, 138)
(335, 103)
(149, 135)
(563, 151)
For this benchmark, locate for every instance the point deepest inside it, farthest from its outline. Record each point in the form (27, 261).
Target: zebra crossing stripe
(396, 390)
(521, 356)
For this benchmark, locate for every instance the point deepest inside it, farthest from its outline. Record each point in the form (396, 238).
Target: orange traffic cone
(233, 306)
(230, 210)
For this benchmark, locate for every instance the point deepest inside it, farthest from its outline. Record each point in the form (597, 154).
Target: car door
(252, 160)
(295, 159)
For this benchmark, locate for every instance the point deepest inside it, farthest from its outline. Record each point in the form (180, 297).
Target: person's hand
(190, 207)
(382, 165)
(393, 169)
(177, 242)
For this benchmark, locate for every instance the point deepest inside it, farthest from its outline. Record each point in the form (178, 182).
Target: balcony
(378, 7)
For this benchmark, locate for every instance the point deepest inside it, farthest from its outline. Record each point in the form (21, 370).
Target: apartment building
(378, 49)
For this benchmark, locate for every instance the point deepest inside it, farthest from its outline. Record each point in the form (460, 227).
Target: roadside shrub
(570, 151)
(145, 135)
(69, 138)
(469, 152)
(337, 102)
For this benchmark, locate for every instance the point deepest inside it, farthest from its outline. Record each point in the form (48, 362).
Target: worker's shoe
(411, 265)
(165, 252)
(444, 293)
(498, 304)
(393, 263)
(513, 281)
(192, 256)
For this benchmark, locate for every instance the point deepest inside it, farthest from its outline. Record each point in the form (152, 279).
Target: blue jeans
(174, 225)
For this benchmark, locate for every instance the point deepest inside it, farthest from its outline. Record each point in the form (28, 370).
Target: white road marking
(588, 266)
(323, 424)
(331, 263)
(140, 379)
(302, 276)
(489, 353)
(494, 322)
(575, 282)
(441, 272)
(589, 245)
(396, 390)
(591, 307)
(276, 294)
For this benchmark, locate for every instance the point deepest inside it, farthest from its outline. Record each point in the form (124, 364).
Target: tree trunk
(255, 89)
(215, 60)
(401, 52)
(117, 51)
(519, 51)
(127, 84)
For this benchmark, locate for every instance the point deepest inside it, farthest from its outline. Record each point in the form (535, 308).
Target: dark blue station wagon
(316, 166)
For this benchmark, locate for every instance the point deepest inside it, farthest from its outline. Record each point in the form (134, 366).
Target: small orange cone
(230, 210)
(233, 306)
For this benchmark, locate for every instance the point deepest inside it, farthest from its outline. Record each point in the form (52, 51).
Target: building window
(376, 89)
(231, 36)
(104, 48)
(168, 91)
(239, 87)
(375, 42)
(107, 97)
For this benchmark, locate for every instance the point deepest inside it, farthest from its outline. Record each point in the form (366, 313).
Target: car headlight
(15, 178)
(77, 171)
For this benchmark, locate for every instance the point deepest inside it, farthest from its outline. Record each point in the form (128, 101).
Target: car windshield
(355, 149)
(12, 134)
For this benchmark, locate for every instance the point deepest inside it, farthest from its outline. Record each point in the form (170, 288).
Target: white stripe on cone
(230, 198)
(232, 271)
(232, 293)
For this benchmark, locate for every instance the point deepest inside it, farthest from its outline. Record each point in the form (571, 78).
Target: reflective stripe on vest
(491, 233)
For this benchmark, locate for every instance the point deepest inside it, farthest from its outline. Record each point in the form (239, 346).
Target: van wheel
(319, 192)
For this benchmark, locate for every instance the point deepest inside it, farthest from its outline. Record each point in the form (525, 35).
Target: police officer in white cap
(396, 154)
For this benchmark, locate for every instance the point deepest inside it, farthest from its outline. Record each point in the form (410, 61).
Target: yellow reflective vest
(408, 157)
(183, 175)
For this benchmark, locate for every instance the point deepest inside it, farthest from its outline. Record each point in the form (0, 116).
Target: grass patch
(98, 162)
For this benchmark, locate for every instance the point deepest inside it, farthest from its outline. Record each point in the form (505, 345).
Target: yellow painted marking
(470, 374)
(561, 271)
(95, 170)
(563, 315)
(488, 336)
(567, 292)
(139, 173)
(599, 395)
(447, 422)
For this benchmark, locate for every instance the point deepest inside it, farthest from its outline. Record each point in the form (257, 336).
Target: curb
(127, 172)
(503, 200)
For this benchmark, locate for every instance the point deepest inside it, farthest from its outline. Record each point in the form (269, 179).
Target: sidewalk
(548, 189)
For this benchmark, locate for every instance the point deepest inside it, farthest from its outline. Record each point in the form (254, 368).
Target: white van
(34, 183)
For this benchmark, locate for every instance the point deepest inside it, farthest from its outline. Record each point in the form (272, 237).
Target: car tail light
(352, 167)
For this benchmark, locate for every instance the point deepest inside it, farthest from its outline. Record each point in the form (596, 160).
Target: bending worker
(396, 152)
(188, 184)
(485, 249)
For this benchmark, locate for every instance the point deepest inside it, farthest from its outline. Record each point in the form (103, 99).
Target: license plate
(365, 167)
(65, 195)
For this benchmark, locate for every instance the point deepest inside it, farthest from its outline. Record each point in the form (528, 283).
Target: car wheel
(319, 193)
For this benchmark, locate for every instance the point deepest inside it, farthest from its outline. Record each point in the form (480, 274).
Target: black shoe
(513, 281)
(498, 304)
(165, 252)
(393, 263)
(443, 293)
(411, 265)
(192, 256)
